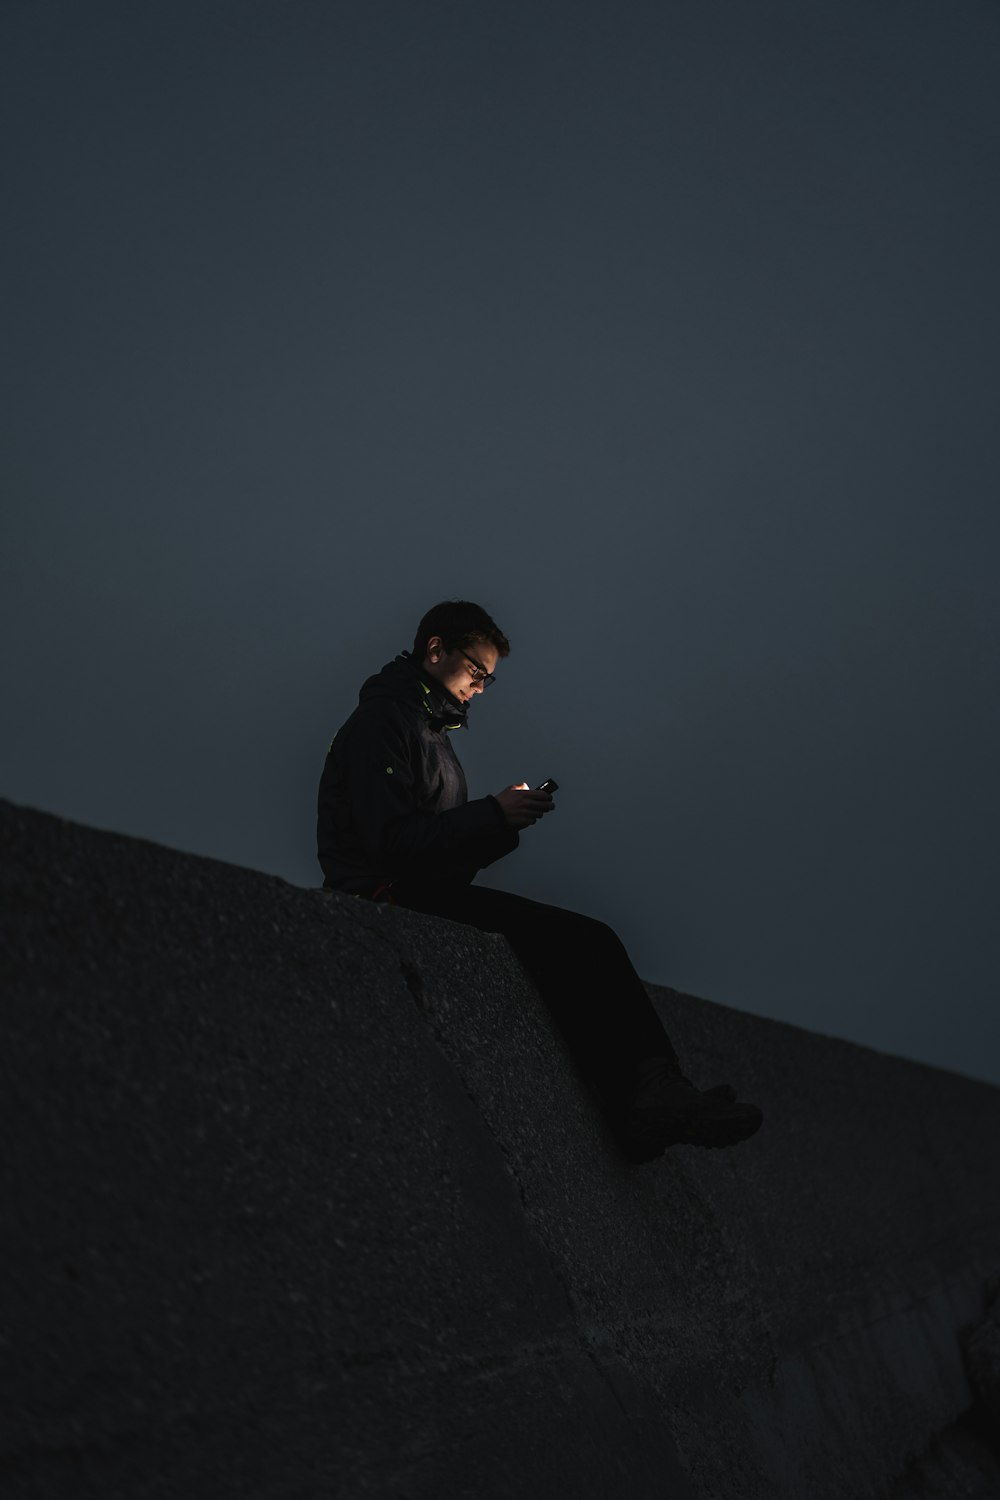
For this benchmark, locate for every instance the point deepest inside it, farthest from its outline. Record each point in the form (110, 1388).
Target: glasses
(480, 673)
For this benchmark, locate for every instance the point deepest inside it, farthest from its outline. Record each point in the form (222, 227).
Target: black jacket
(393, 803)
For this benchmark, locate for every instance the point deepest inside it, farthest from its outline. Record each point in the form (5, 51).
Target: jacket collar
(443, 709)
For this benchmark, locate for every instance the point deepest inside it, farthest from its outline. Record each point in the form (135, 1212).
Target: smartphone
(549, 786)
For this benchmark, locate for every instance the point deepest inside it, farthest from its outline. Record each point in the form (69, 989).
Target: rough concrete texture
(303, 1197)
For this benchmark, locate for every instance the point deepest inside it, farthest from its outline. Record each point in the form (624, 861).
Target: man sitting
(396, 824)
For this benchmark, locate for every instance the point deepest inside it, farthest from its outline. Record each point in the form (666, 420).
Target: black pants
(579, 966)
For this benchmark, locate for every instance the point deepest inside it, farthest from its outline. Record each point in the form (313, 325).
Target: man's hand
(521, 806)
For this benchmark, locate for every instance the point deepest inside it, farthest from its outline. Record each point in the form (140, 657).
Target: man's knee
(608, 937)
(589, 932)
(568, 932)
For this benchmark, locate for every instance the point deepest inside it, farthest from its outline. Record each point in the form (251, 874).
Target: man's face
(460, 671)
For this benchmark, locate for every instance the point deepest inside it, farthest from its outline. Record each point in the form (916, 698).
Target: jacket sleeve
(377, 758)
(502, 840)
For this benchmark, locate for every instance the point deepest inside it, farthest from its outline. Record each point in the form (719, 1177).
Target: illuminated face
(462, 671)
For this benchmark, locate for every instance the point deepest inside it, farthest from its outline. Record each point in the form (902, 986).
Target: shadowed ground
(302, 1197)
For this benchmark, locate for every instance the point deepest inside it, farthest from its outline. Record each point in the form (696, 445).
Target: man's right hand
(521, 806)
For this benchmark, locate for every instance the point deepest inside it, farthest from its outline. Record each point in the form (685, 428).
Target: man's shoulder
(383, 715)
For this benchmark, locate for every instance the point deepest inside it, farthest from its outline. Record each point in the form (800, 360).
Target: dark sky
(667, 331)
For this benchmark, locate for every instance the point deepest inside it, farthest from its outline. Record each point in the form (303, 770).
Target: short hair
(459, 623)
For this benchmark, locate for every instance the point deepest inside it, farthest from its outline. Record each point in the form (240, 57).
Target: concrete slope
(303, 1197)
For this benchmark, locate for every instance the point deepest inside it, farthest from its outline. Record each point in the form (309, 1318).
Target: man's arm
(521, 806)
(396, 834)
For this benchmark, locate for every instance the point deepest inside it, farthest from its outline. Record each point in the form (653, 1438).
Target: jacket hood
(405, 681)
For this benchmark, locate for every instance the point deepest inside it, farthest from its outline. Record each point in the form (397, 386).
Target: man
(395, 824)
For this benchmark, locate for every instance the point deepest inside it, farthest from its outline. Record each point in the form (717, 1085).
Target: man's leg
(580, 968)
(601, 1007)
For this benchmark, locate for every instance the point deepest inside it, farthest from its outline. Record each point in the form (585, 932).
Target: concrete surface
(303, 1197)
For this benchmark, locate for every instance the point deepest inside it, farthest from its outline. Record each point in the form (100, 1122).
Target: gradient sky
(667, 331)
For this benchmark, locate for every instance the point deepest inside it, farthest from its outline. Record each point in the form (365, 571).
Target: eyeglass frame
(486, 678)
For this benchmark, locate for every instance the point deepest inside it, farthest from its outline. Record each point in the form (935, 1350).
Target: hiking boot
(656, 1072)
(667, 1110)
(718, 1091)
